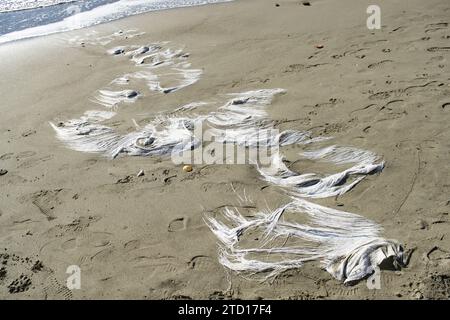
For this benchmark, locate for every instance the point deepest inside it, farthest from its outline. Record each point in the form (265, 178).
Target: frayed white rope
(347, 245)
(314, 186)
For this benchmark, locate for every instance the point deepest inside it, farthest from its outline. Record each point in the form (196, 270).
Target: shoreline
(61, 26)
(144, 236)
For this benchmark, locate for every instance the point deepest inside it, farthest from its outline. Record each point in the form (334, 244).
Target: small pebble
(118, 51)
(187, 168)
(319, 46)
(132, 94)
(421, 224)
(306, 3)
(3, 172)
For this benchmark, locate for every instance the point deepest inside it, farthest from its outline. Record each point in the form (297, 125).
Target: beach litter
(140, 173)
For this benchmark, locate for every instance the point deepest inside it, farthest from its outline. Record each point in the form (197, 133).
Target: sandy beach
(135, 225)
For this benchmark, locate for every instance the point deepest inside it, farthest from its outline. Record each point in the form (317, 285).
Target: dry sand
(385, 90)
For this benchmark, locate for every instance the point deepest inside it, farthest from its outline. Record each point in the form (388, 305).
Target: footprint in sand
(6, 156)
(72, 229)
(436, 59)
(177, 224)
(46, 201)
(164, 265)
(88, 239)
(29, 163)
(25, 154)
(132, 245)
(96, 239)
(379, 64)
(85, 164)
(69, 244)
(56, 291)
(344, 292)
(75, 236)
(101, 256)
